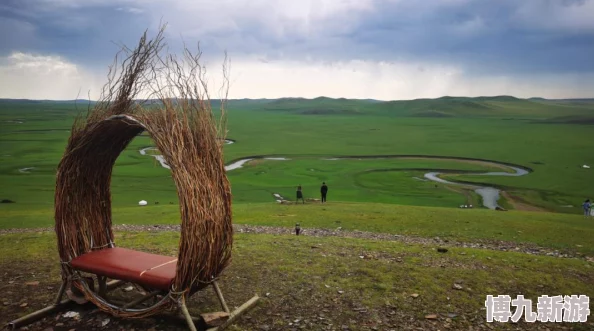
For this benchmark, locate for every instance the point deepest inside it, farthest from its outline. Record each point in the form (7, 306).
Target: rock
(452, 315)
(457, 286)
(128, 289)
(415, 295)
(59, 324)
(71, 314)
(431, 317)
(264, 327)
(442, 250)
(215, 319)
(105, 322)
(340, 292)
(23, 305)
(35, 283)
(327, 286)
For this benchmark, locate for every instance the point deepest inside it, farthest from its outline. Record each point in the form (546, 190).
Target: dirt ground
(293, 297)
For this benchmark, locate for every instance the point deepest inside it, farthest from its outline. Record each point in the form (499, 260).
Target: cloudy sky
(381, 49)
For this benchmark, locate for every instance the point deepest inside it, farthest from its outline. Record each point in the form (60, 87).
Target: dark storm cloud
(84, 35)
(482, 36)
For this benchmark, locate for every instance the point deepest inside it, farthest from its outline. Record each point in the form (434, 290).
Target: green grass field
(502, 129)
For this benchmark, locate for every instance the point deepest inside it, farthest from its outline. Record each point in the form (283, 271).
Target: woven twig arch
(187, 135)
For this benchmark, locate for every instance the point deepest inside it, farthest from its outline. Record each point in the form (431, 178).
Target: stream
(490, 195)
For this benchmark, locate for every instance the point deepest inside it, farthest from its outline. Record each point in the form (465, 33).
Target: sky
(377, 49)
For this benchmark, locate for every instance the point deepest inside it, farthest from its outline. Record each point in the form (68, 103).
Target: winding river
(490, 195)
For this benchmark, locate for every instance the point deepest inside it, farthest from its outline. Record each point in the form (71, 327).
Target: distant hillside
(502, 106)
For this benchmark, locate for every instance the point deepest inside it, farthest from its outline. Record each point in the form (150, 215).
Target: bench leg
(186, 313)
(102, 285)
(220, 296)
(237, 313)
(60, 293)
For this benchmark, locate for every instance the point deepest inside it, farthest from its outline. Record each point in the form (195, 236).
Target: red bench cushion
(149, 270)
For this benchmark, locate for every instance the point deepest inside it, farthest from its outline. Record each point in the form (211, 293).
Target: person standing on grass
(324, 191)
(587, 206)
(300, 194)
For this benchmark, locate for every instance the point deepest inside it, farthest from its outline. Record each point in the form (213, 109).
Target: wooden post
(220, 295)
(237, 313)
(37, 315)
(102, 285)
(186, 313)
(60, 293)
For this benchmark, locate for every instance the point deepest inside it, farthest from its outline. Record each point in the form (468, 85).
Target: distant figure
(300, 194)
(324, 191)
(297, 229)
(587, 206)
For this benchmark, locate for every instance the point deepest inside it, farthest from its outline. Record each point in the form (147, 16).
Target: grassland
(501, 128)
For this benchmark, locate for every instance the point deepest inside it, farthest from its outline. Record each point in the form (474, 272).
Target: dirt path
(490, 244)
(517, 204)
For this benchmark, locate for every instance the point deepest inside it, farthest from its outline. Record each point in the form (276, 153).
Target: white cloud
(51, 77)
(391, 81)
(44, 77)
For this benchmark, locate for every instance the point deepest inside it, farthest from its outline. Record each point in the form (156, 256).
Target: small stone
(24, 304)
(6, 303)
(71, 314)
(35, 283)
(105, 322)
(340, 292)
(431, 317)
(415, 295)
(327, 286)
(128, 289)
(59, 324)
(457, 287)
(268, 294)
(215, 319)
